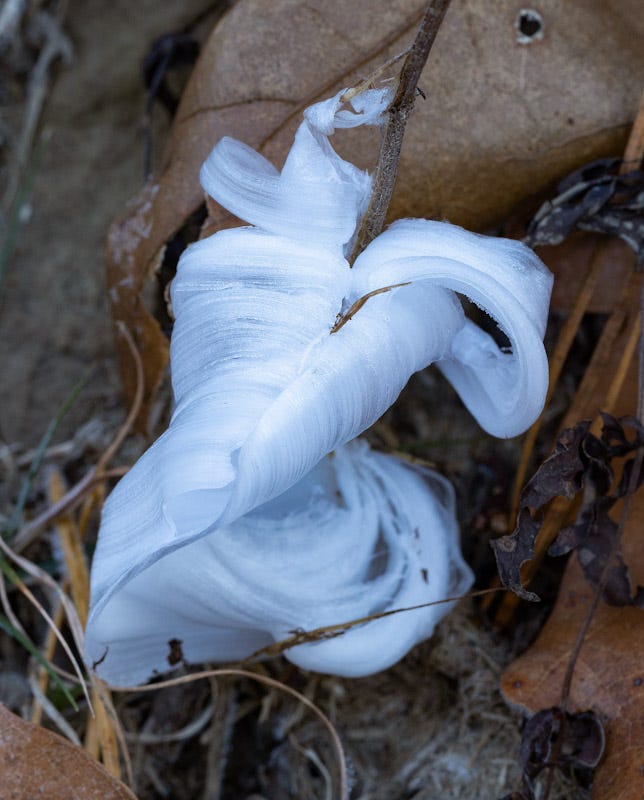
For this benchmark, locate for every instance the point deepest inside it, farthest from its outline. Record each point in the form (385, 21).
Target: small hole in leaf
(529, 26)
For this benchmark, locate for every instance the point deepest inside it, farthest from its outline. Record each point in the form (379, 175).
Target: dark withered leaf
(580, 460)
(561, 472)
(554, 738)
(594, 198)
(594, 537)
(614, 436)
(514, 550)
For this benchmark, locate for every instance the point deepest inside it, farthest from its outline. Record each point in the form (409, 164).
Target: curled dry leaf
(35, 762)
(508, 111)
(595, 198)
(580, 460)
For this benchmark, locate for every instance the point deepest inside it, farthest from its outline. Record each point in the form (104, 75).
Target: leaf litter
(581, 463)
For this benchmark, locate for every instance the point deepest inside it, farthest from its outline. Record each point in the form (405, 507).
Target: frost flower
(236, 526)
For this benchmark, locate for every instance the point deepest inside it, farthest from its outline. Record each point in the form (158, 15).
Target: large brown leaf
(505, 115)
(35, 762)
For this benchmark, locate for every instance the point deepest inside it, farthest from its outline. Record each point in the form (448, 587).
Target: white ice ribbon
(362, 533)
(267, 383)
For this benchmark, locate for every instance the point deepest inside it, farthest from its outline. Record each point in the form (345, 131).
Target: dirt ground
(435, 726)
(54, 321)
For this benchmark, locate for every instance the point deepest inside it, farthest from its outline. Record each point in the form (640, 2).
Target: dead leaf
(553, 738)
(508, 112)
(580, 460)
(35, 762)
(597, 198)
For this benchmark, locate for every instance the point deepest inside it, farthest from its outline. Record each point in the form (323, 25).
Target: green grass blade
(16, 517)
(19, 636)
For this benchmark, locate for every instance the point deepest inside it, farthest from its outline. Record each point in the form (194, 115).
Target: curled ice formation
(267, 383)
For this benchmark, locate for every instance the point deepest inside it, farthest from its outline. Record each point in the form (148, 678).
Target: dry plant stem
(398, 112)
(70, 611)
(343, 793)
(100, 735)
(223, 701)
(99, 473)
(590, 394)
(370, 80)
(102, 690)
(72, 547)
(53, 713)
(615, 388)
(48, 653)
(194, 727)
(360, 303)
(331, 631)
(74, 497)
(635, 145)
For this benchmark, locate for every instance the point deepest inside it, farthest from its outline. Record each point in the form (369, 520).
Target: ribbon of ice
(236, 527)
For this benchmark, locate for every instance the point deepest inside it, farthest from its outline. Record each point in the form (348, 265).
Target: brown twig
(399, 111)
(340, 628)
(344, 318)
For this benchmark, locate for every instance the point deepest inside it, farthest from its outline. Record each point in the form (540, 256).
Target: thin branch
(399, 112)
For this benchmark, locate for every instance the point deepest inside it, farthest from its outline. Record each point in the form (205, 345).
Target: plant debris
(594, 198)
(556, 739)
(580, 461)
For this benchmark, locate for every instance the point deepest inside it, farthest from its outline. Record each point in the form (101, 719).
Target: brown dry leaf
(569, 261)
(506, 114)
(609, 674)
(35, 762)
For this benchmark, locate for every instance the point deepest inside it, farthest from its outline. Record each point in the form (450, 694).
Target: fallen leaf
(35, 762)
(556, 738)
(594, 198)
(512, 105)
